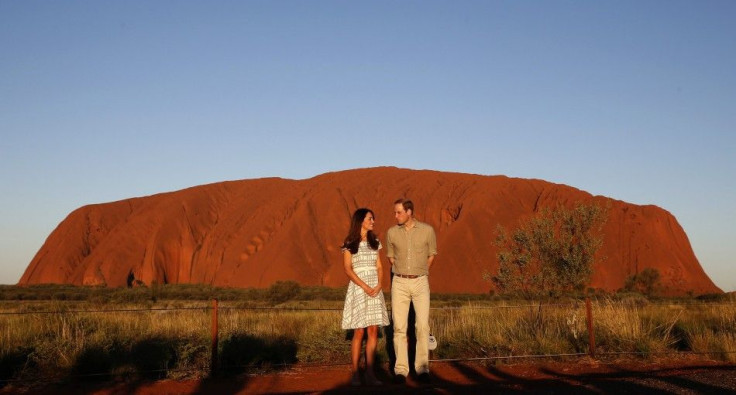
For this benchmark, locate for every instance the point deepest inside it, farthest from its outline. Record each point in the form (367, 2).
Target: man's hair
(406, 203)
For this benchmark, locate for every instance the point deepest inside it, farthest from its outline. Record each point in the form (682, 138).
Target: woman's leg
(370, 347)
(355, 347)
(370, 354)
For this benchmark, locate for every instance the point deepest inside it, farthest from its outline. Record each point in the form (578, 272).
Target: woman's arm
(379, 269)
(347, 263)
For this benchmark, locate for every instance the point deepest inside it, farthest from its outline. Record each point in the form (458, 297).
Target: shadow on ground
(464, 378)
(131, 368)
(571, 377)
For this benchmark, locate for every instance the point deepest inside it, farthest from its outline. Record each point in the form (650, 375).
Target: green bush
(550, 253)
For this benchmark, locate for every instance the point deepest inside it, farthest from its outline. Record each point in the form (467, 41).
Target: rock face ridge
(251, 233)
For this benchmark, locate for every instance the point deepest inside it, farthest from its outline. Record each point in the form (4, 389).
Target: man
(411, 246)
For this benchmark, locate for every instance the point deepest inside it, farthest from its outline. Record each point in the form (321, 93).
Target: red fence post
(213, 364)
(589, 320)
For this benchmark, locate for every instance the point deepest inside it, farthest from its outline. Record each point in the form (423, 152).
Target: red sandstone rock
(251, 233)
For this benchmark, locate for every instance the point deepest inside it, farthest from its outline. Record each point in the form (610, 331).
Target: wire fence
(230, 340)
(292, 309)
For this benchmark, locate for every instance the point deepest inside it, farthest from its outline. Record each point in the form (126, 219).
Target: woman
(365, 308)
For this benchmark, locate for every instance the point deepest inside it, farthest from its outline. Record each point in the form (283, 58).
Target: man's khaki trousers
(403, 292)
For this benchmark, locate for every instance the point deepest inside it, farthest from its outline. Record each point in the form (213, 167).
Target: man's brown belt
(408, 275)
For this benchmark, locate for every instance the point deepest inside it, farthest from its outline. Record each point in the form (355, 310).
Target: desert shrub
(647, 282)
(282, 291)
(322, 293)
(550, 253)
(722, 297)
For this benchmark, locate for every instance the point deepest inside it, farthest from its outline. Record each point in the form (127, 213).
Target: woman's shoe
(355, 380)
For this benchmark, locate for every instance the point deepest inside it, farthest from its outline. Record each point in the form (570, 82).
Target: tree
(551, 251)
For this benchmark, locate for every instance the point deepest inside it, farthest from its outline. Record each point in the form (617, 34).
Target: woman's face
(368, 222)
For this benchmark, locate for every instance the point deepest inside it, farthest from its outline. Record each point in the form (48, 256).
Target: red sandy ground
(582, 377)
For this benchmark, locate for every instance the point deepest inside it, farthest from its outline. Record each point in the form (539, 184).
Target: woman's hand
(367, 289)
(372, 292)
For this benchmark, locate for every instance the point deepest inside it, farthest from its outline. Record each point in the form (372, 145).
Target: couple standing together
(410, 247)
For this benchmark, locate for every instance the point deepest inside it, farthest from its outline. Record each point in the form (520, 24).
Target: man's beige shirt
(410, 248)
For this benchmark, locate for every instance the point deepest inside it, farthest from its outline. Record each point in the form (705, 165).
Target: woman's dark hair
(353, 238)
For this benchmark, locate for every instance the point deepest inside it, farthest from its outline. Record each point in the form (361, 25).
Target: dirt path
(583, 377)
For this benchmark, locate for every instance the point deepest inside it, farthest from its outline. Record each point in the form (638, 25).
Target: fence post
(589, 320)
(540, 323)
(213, 364)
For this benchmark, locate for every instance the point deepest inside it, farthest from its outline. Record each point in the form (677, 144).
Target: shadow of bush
(95, 363)
(241, 352)
(681, 336)
(154, 357)
(150, 358)
(12, 363)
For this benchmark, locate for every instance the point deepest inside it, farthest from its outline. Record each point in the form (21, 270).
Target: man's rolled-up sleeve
(432, 242)
(389, 245)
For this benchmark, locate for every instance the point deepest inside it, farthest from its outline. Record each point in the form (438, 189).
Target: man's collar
(417, 224)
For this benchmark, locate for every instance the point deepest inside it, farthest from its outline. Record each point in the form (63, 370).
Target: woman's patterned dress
(361, 310)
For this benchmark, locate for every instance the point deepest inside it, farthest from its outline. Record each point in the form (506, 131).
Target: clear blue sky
(101, 101)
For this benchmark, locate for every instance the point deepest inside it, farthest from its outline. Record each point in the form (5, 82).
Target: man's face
(400, 214)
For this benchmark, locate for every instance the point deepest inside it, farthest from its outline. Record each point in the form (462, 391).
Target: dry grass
(508, 330)
(176, 343)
